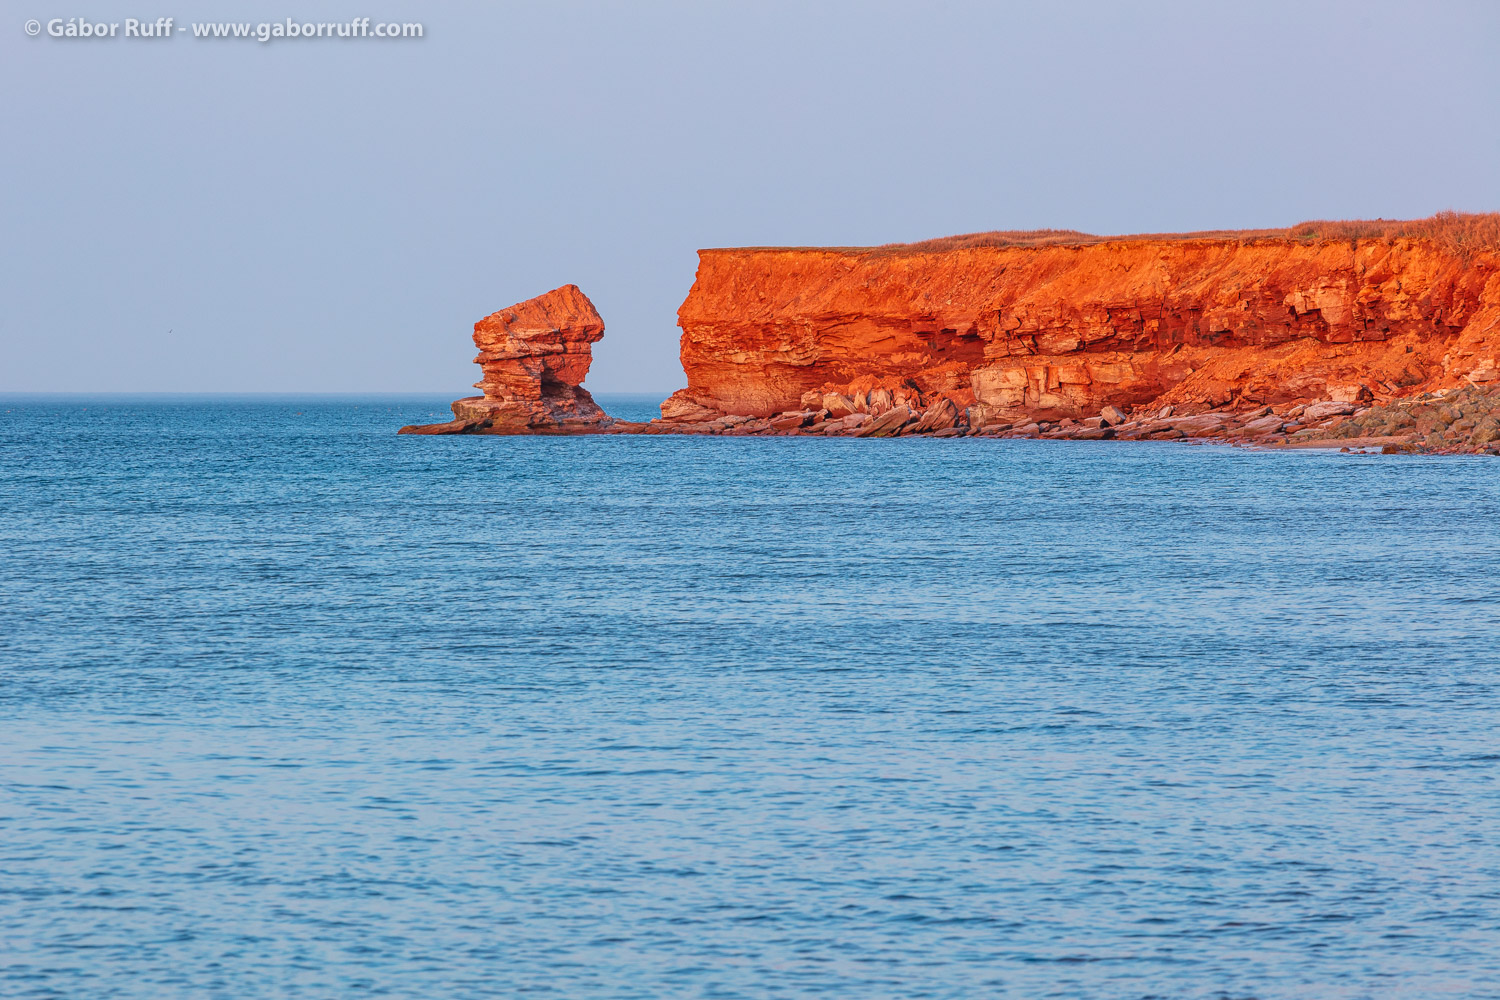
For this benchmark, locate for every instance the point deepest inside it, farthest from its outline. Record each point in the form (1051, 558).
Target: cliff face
(535, 356)
(1061, 331)
(1390, 341)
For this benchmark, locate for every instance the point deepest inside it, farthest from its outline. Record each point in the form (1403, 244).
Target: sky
(325, 215)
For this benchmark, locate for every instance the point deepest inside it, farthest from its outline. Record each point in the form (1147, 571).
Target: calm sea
(291, 706)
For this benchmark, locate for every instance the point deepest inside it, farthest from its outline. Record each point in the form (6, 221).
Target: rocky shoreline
(1455, 421)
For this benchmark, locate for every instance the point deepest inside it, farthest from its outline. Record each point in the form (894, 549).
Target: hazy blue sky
(188, 215)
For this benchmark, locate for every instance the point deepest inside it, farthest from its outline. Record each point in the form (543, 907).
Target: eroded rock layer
(534, 356)
(1047, 334)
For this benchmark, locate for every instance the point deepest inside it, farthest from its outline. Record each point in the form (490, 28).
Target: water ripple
(290, 706)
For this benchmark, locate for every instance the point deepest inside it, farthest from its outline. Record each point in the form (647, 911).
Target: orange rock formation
(1062, 330)
(534, 356)
(1369, 334)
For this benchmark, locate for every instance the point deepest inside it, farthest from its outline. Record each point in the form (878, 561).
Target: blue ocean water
(291, 706)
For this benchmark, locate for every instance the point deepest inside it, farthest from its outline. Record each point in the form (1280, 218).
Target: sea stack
(535, 356)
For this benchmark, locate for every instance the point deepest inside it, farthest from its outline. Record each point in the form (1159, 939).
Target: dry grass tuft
(1013, 238)
(1462, 232)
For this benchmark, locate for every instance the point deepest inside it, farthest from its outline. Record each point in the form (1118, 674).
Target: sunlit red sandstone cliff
(1048, 332)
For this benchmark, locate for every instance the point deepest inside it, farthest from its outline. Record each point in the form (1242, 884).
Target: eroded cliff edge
(1057, 333)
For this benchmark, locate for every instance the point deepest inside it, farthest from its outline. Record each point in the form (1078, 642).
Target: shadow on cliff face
(949, 345)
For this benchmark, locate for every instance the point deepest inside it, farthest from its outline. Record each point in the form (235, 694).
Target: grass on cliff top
(1458, 231)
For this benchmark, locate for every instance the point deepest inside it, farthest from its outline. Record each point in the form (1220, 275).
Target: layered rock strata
(534, 356)
(1256, 339)
(1057, 339)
